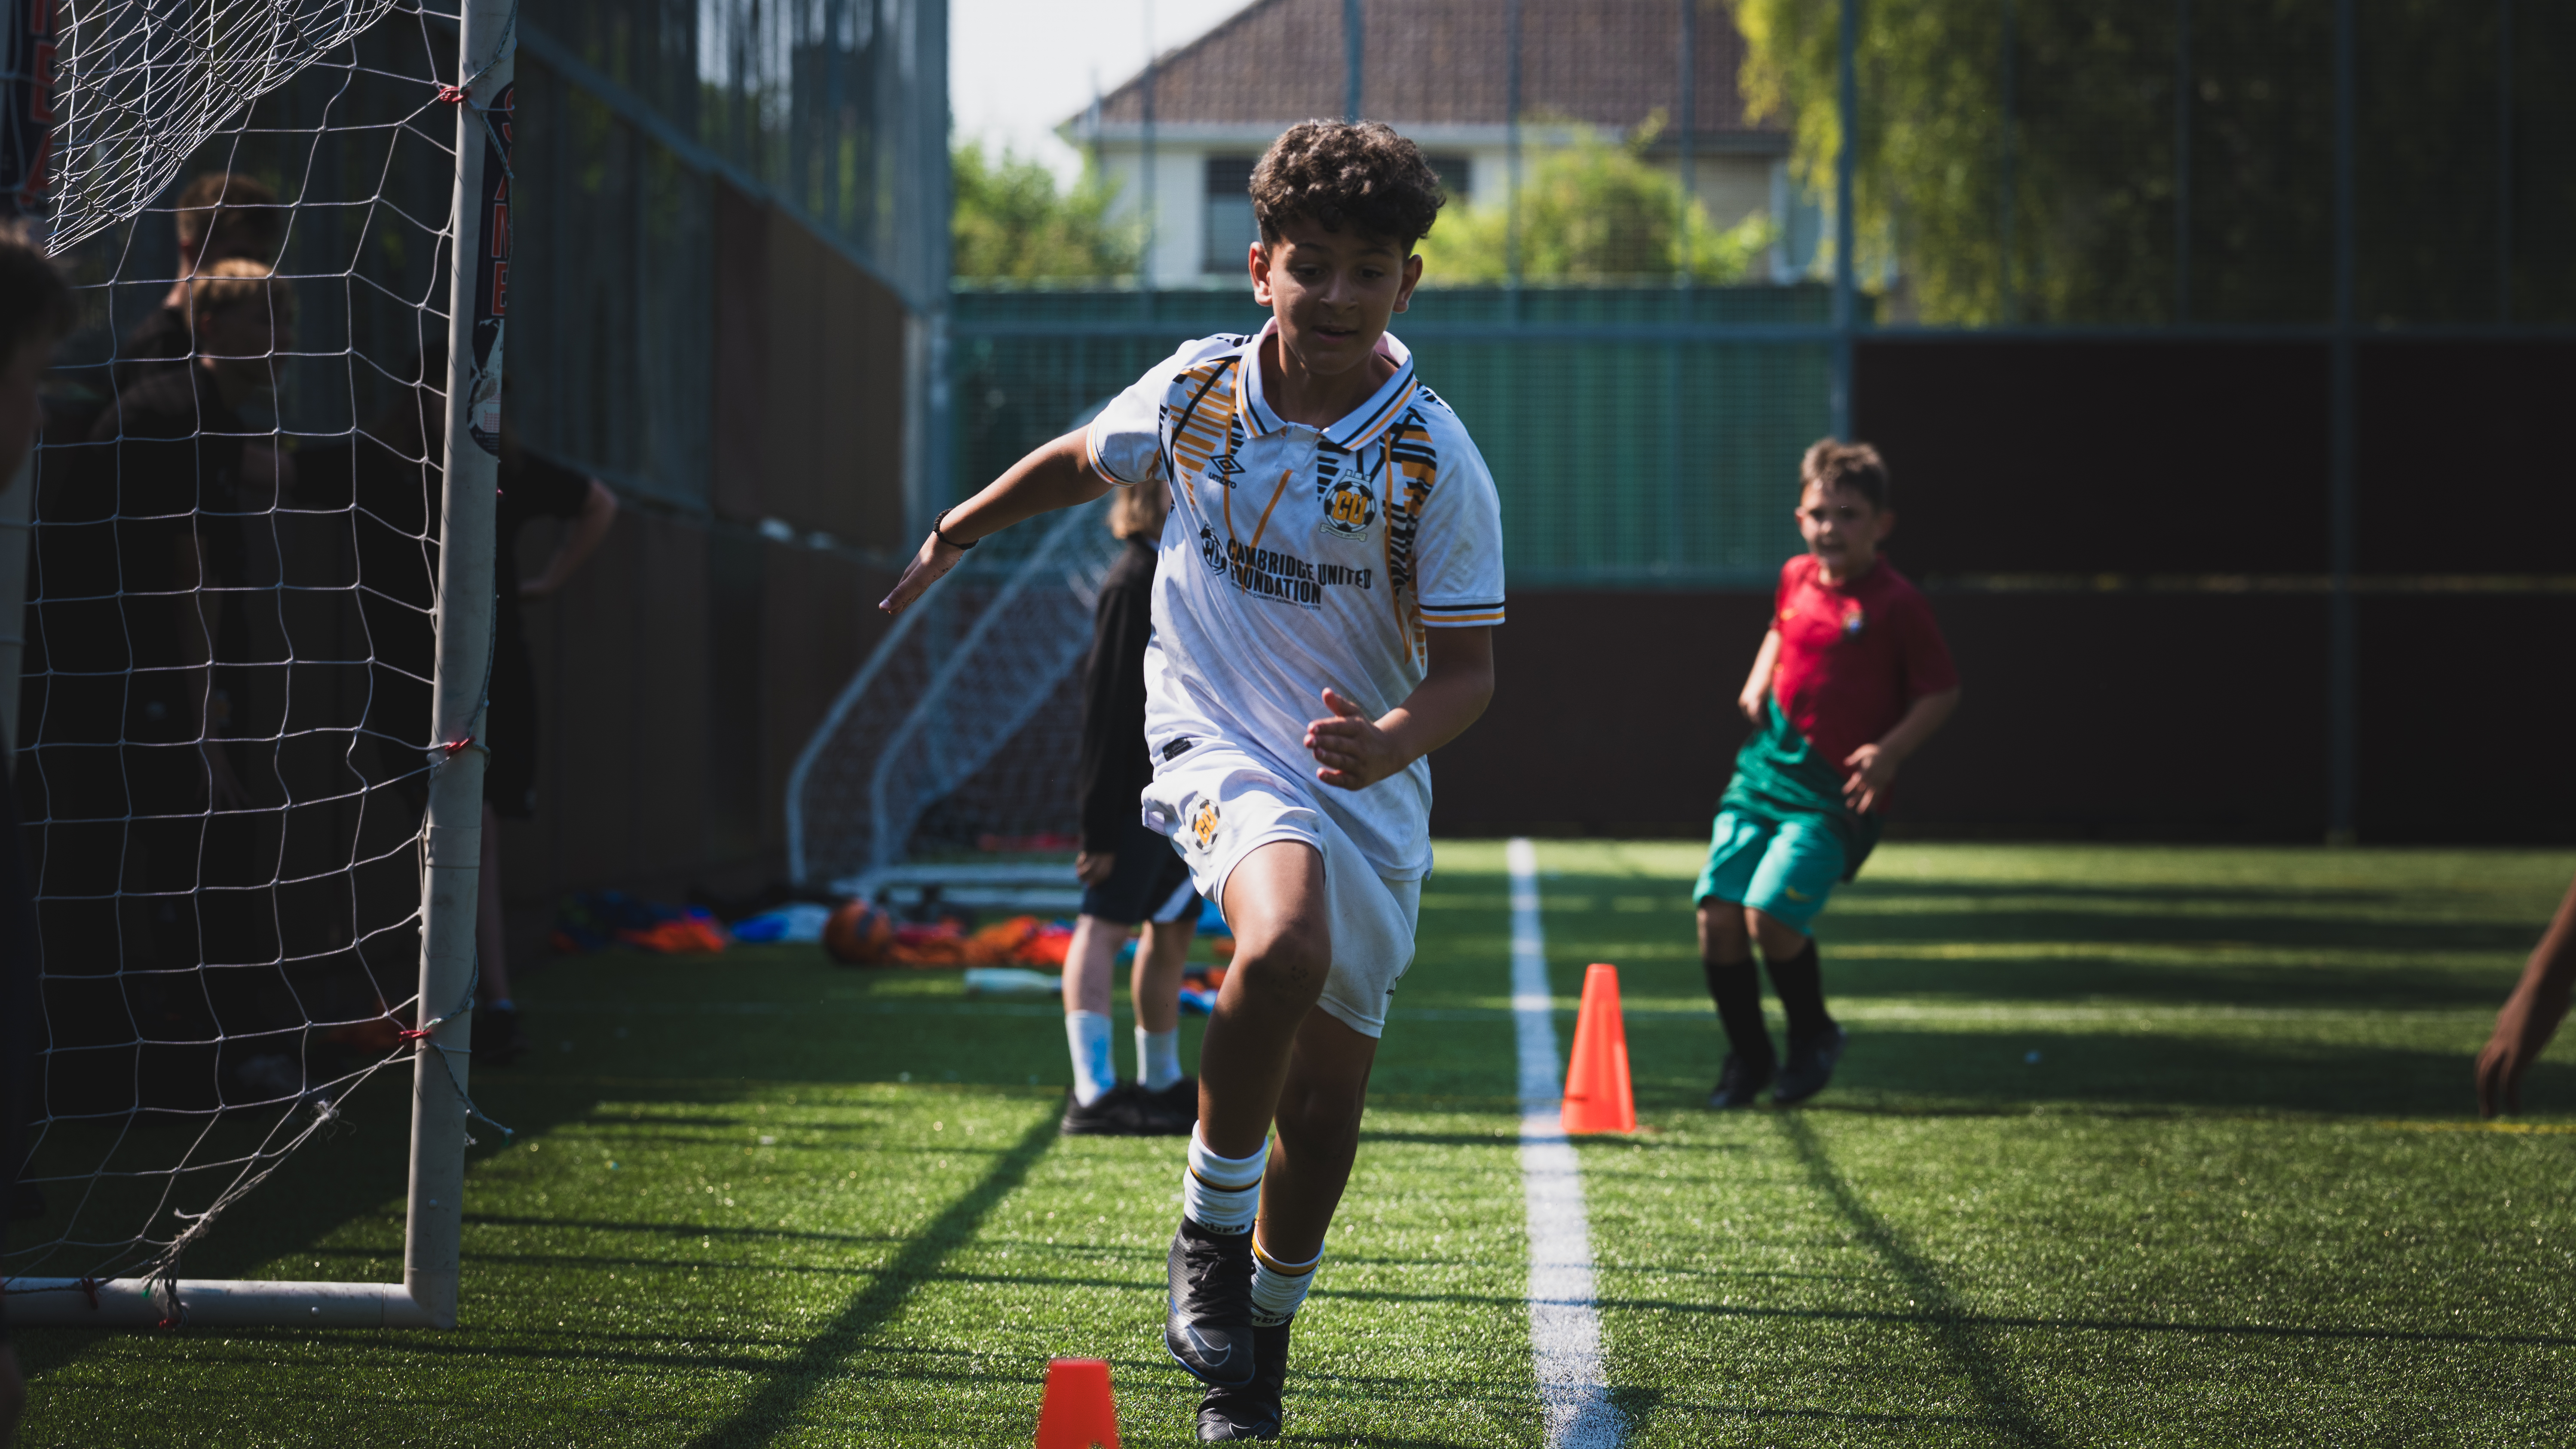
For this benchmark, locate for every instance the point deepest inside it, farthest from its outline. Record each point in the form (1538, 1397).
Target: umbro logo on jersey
(1222, 468)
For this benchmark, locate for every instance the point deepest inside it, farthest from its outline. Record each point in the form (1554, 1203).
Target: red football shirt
(1853, 656)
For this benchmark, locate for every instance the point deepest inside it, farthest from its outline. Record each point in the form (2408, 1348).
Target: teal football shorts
(1782, 868)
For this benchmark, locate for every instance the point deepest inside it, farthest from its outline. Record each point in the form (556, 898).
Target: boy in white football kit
(1329, 580)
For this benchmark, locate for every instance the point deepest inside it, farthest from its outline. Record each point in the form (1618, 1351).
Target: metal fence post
(1845, 303)
(2343, 702)
(1512, 151)
(1354, 52)
(2182, 161)
(2504, 163)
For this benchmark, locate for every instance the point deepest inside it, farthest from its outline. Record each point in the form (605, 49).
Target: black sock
(1801, 988)
(1737, 990)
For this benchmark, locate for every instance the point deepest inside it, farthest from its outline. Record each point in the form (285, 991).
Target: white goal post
(451, 841)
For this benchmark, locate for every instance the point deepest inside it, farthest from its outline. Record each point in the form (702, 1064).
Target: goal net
(954, 748)
(246, 679)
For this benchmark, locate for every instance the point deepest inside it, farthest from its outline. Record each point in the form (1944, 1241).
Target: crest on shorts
(1203, 821)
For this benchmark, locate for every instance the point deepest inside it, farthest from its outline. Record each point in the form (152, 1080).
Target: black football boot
(1251, 1412)
(1811, 1065)
(1207, 1324)
(1739, 1085)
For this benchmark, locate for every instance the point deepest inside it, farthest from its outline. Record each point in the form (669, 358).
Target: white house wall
(1731, 187)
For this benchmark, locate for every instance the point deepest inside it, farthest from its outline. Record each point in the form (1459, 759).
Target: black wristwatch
(944, 538)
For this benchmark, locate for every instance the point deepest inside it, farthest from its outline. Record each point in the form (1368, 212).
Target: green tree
(1594, 212)
(2017, 159)
(1012, 223)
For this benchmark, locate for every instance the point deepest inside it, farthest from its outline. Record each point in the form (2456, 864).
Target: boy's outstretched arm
(2531, 1015)
(1357, 752)
(1757, 685)
(1873, 767)
(1057, 475)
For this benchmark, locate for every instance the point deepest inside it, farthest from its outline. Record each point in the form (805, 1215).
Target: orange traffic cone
(1078, 1412)
(1597, 1095)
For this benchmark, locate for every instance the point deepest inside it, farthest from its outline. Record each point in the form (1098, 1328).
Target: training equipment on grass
(1598, 1097)
(963, 728)
(858, 933)
(1079, 1411)
(251, 744)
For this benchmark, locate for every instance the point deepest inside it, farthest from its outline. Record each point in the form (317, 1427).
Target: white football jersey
(1296, 559)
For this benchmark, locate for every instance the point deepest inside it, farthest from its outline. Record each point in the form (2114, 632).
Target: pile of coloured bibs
(588, 921)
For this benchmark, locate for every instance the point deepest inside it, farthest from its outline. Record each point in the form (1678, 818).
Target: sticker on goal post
(492, 274)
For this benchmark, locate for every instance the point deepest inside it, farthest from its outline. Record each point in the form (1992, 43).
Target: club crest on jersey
(1349, 506)
(1854, 619)
(1211, 550)
(1203, 822)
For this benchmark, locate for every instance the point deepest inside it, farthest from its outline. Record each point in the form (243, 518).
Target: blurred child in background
(1130, 873)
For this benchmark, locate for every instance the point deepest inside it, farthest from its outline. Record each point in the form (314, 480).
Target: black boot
(1252, 1411)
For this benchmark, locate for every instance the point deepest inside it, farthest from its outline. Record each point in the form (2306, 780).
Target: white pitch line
(1565, 1324)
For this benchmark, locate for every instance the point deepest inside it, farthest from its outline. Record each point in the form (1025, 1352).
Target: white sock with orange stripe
(1221, 1194)
(1279, 1289)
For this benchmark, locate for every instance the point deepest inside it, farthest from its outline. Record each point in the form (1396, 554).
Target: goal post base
(213, 1303)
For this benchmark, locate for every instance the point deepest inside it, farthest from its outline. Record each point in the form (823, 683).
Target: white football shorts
(1218, 803)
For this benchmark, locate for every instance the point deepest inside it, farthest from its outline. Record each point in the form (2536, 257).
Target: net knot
(451, 95)
(412, 1033)
(453, 748)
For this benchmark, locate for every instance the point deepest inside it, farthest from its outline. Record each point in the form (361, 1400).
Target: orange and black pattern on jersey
(1199, 417)
(1414, 464)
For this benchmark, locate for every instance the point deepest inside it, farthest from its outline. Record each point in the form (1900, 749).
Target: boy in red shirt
(1851, 680)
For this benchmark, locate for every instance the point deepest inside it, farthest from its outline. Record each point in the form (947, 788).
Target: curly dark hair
(1831, 464)
(1355, 173)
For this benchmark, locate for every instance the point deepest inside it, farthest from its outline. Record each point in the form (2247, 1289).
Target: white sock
(1221, 1194)
(1279, 1289)
(1087, 1033)
(1158, 1058)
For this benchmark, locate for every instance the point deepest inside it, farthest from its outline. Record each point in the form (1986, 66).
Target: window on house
(1454, 173)
(1230, 229)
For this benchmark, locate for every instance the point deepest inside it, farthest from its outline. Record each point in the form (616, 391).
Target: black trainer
(1207, 1322)
(1811, 1065)
(1118, 1112)
(1738, 1085)
(1174, 1110)
(1252, 1411)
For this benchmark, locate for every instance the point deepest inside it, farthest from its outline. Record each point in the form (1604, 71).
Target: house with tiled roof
(1181, 137)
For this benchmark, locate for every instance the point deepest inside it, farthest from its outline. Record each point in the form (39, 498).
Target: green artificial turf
(2237, 1198)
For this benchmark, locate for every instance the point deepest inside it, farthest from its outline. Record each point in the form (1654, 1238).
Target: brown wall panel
(2463, 701)
(742, 327)
(819, 619)
(2462, 467)
(621, 662)
(1612, 713)
(2094, 457)
(2132, 714)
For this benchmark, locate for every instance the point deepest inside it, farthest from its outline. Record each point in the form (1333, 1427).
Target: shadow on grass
(1960, 1334)
(789, 1386)
(1940, 1316)
(2128, 1072)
